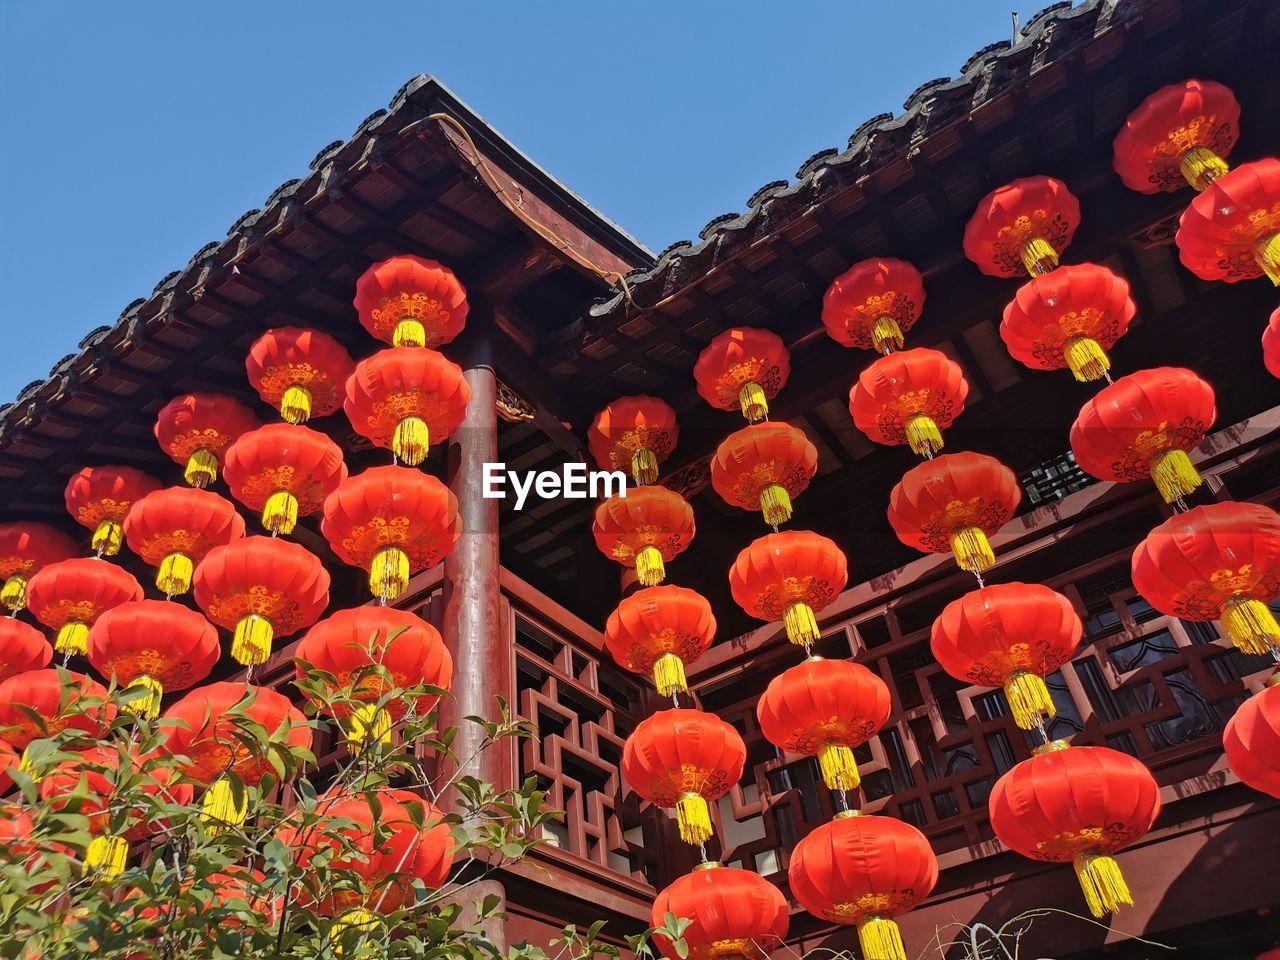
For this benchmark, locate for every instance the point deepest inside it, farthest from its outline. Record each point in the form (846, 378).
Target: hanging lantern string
(1041, 728)
(1180, 506)
(702, 852)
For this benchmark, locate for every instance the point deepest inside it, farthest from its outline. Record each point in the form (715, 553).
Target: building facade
(568, 313)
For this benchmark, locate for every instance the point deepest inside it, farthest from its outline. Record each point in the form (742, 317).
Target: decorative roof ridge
(679, 265)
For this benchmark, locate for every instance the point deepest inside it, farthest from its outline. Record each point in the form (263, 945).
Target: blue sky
(134, 132)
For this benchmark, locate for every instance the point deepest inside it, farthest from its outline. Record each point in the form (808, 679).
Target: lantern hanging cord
(1041, 728)
(516, 205)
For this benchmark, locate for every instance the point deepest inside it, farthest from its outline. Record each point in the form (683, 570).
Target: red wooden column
(473, 627)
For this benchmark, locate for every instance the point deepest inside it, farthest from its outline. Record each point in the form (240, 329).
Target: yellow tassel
(923, 436)
(644, 465)
(972, 549)
(881, 939)
(1038, 256)
(174, 575)
(72, 639)
(801, 624)
(14, 593)
(219, 809)
(411, 440)
(886, 335)
(252, 642)
(147, 706)
(27, 767)
(839, 768)
(650, 570)
(1200, 166)
(389, 573)
(1085, 358)
(1105, 890)
(368, 722)
(1029, 698)
(1269, 258)
(107, 855)
(295, 405)
(357, 919)
(668, 675)
(409, 333)
(694, 817)
(280, 512)
(1174, 474)
(107, 539)
(1250, 625)
(202, 469)
(753, 402)
(775, 504)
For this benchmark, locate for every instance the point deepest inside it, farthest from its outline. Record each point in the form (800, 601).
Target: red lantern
(762, 467)
(743, 369)
(411, 302)
(1143, 425)
(1220, 562)
(646, 529)
(233, 892)
(873, 304)
(683, 759)
(1009, 635)
(70, 596)
(110, 827)
(1068, 318)
(125, 643)
(733, 914)
(864, 870)
(208, 735)
(391, 522)
(349, 644)
(100, 497)
(1271, 344)
(56, 707)
(1178, 136)
(300, 372)
(635, 433)
(172, 529)
(1232, 230)
(1077, 805)
(391, 847)
(956, 502)
(825, 708)
(24, 549)
(1252, 741)
(789, 577)
(9, 760)
(909, 397)
(1022, 227)
(261, 588)
(195, 428)
(22, 648)
(406, 399)
(283, 471)
(659, 630)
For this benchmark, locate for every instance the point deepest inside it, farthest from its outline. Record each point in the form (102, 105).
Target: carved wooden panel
(1149, 685)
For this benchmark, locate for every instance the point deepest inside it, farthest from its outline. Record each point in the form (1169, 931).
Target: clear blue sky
(135, 132)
